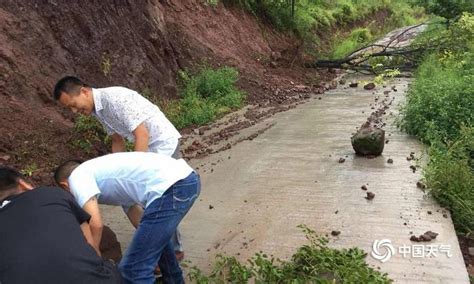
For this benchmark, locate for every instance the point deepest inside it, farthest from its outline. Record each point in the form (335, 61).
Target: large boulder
(110, 246)
(368, 141)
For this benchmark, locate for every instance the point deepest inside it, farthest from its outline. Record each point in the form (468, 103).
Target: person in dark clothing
(43, 236)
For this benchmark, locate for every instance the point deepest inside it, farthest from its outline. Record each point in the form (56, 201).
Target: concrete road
(255, 194)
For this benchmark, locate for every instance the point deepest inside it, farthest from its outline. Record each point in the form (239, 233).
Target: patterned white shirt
(121, 110)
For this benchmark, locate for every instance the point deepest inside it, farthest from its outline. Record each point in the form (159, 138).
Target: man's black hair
(64, 170)
(9, 178)
(69, 85)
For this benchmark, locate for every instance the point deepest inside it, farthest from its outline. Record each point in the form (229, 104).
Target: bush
(440, 101)
(312, 263)
(357, 38)
(450, 177)
(448, 9)
(205, 96)
(439, 110)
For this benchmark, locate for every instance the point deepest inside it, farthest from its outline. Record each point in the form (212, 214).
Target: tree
(448, 9)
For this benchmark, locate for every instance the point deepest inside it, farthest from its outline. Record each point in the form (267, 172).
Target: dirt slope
(139, 44)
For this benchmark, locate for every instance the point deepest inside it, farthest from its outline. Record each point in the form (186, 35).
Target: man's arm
(86, 231)
(118, 143)
(95, 223)
(141, 138)
(134, 214)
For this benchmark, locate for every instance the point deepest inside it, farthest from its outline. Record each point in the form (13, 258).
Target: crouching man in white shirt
(165, 187)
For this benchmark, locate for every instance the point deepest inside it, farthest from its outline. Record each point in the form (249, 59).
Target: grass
(314, 262)
(205, 96)
(439, 110)
(357, 38)
(325, 17)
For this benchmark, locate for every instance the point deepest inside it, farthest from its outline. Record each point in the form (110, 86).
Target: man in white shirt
(124, 114)
(165, 187)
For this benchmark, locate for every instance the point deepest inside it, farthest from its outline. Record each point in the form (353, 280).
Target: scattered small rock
(471, 251)
(342, 81)
(390, 161)
(369, 86)
(364, 187)
(353, 84)
(445, 215)
(5, 158)
(275, 56)
(386, 141)
(420, 185)
(413, 168)
(337, 211)
(341, 160)
(370, 195)
(429, 212)
(335, 233)
(426, 237)
(211, 207)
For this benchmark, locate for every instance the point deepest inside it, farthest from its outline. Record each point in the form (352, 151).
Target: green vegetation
(322, 17)
(448, 9)
(87, 132)
(29, 170)
(312, 263)
(357, 38)
(205, 96)
(439, 110)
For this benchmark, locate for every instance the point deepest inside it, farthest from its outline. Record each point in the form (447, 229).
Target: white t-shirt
(121, 110)
(126, 178)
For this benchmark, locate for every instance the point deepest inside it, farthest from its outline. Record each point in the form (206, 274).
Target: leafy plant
(87, 132)
(205, 95)
(314, 262)
(448, 9)
(30, 169)
(450, 176)
(212, 3)
(439, 111)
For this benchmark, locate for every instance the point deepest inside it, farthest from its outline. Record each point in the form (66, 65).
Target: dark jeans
(152, 240)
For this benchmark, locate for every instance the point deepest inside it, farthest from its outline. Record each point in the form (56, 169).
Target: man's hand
(141, 138)
(95, 223)
(118, 143)
(135, 214)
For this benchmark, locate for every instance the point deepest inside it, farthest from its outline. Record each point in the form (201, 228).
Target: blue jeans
(152, 241)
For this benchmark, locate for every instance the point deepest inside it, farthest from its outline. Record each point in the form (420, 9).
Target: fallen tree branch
(357, 58)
